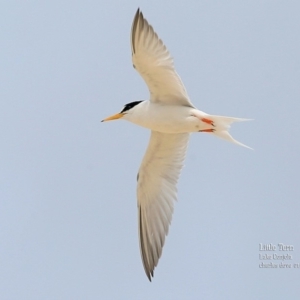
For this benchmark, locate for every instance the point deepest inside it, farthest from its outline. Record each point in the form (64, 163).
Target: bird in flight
(171, 117)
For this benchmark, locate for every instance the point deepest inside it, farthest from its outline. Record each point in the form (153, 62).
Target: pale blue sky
(68, 217)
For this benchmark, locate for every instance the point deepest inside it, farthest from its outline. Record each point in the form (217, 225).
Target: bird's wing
(153, 61)
(156, 192)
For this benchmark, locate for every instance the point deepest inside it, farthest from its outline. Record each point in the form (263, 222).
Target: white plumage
(171, 117)
(153, 61)
(156, 192)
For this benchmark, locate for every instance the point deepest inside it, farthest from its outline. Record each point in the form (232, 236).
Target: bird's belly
(170, 120)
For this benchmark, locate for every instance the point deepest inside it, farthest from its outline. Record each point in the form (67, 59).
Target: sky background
(68, 212)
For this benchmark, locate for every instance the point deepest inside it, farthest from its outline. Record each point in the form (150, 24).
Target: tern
(171, 117)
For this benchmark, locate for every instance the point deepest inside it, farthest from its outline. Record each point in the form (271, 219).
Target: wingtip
(150, 275)
(135, 22)
(138, 13)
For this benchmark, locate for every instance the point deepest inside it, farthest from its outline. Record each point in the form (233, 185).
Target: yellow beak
(113, 117)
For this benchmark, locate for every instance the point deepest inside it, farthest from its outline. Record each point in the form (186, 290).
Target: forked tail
(222, 126)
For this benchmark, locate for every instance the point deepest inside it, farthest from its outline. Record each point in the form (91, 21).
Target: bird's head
(127, 110)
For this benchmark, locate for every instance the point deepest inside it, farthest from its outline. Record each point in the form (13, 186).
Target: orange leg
(208, 121)
(207, 130)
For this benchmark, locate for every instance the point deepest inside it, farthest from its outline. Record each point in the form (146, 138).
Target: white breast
(164, 118)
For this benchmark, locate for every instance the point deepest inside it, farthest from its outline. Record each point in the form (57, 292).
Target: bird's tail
(222, 126)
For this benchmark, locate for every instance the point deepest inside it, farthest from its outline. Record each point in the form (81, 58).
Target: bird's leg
(207, 130)
(208, 121)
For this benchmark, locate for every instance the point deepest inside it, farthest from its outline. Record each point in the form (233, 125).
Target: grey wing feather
(157, 192)
(153, 61)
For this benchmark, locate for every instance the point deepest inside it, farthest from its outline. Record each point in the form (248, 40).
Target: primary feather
(156, 192)
(153, 61)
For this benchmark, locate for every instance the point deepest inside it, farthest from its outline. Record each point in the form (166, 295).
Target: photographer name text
(276, 256)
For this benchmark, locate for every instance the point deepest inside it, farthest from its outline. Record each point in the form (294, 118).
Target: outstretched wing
(156, 193)
(153, 61)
